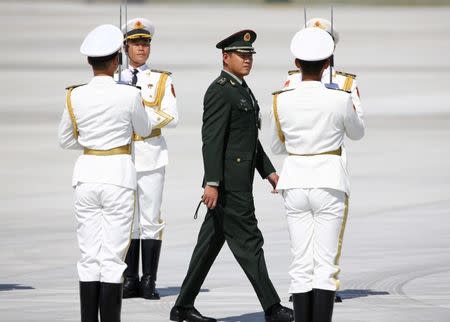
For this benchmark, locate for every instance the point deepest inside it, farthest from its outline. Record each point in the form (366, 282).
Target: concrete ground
(396, 262)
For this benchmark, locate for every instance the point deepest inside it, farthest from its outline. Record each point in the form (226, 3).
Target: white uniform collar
(310, 84)
(234, 76)
(140, 68)
(102, 79)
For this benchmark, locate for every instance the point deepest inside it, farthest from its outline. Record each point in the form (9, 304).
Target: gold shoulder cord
(277, 119)
(72, 115)
(159, 93)
(156, 104)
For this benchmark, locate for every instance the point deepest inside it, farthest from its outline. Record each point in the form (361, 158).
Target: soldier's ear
(225, 57)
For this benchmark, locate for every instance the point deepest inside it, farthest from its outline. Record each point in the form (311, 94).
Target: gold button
(238, 159)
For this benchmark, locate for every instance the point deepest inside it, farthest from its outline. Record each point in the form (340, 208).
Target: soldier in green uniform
(231, 153)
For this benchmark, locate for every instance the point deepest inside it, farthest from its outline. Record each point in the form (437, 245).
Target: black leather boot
(189, 315)
(302, 306)
(151, 248)
(131, 274)
(323, 302)
(279, 313)
(89, 295)
(110, 302)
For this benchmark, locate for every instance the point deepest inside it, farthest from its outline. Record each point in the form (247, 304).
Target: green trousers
(233, 221)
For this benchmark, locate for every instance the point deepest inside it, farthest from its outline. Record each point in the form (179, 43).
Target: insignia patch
(232, 82)
(222, 81)
(138, 25)
(319, 25)
(247, 37)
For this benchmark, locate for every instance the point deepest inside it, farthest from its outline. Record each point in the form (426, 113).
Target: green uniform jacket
(231, 149)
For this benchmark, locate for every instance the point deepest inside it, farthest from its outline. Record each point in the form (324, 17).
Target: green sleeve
(216, 118)
(263, 164)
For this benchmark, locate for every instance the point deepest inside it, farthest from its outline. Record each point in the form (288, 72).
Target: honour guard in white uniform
(342, 80)
(309, 123)
(100, 118)
(151, 157)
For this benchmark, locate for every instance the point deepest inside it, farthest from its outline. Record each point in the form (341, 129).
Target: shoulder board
(295, 71)
(161, 71)
(282, 91)
(74, 86)
(222, 81)
(346, 74)
(339, 89)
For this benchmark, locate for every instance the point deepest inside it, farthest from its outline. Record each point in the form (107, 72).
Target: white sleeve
(356, 99)
(141, 122)
(65, 133)
(353, 121)
(167, 115)
(277, 146)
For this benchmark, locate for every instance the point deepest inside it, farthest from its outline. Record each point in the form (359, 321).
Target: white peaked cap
(103, 41)
(138, 28)
(325, 25)
(312, 44)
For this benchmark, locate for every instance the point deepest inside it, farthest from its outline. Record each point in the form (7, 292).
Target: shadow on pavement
(352, 293)
(173, 290)
(249, 317)
(13, 287)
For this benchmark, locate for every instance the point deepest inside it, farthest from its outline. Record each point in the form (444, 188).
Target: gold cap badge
(247, 37)
(138, 25)
(318, 24)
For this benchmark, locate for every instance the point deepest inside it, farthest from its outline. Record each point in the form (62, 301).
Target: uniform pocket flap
(245, 105)
(239, 156)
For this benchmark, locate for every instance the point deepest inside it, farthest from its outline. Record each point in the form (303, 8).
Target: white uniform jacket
(106, 114)
(158, 94)
(345, 81)
(308, 120)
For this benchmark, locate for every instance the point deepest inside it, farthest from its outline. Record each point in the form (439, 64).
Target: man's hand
(273, 179)
(210, 196)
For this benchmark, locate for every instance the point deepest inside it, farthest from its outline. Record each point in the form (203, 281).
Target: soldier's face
(138, 52)
(240, 64)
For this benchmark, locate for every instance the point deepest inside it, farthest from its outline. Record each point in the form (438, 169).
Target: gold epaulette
(294, 71)
(74, 86)
(161, 71)
(282, 91)
(346, 74)
(340, 89)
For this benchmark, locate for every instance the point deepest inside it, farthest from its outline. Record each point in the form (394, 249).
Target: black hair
(101, 62)
(311, 67)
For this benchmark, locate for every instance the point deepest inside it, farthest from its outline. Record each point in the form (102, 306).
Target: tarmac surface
(396, 255)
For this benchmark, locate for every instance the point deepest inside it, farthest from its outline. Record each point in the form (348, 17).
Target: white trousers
(104, 214)
(316, 220)
(148, 223)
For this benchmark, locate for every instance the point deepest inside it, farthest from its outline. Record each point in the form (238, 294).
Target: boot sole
(150, 296)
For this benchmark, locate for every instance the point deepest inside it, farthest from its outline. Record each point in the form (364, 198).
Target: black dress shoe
(279, 313)
(189, 315)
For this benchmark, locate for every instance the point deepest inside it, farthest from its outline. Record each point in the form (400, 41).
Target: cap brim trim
(241, 49)
(135, 36)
